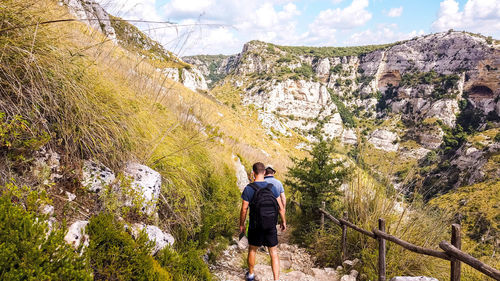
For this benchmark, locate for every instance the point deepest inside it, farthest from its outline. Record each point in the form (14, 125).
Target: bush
(497, 137)
(30, 251)
(345, 114)
(305, 70)
(185, 264)
(336, 69)
(115, 255)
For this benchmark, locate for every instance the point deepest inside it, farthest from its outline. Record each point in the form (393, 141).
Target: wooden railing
(451, 251)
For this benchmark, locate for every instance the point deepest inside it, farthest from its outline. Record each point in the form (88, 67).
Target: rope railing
(451, 251)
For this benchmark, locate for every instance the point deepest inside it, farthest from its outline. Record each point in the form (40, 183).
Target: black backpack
(264, 208)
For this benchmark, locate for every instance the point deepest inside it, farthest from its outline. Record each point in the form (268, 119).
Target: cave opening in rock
(480, 91)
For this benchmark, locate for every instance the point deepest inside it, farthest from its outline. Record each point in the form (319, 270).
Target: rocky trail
(296, 264)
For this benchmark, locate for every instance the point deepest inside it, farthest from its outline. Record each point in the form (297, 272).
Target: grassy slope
(99, 101)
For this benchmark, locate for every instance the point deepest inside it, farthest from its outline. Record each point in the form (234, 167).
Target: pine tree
(315, 179)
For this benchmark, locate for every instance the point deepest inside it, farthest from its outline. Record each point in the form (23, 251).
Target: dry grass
(100, 101)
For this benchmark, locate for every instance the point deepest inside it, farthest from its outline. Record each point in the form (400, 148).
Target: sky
(223, 26)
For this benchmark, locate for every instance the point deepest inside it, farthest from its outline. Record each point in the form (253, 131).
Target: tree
(315, 179)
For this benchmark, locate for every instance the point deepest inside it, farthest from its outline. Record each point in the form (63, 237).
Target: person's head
(259, 168)
(270, 171)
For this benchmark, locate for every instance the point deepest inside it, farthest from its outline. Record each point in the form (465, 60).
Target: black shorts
(258, 237)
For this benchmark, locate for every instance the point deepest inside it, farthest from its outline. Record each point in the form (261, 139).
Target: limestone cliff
(389, 96)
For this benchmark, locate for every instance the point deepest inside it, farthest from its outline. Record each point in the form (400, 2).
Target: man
(269, 177)
(259, 236)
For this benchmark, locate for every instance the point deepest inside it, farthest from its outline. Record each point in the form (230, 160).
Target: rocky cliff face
(131, 38)
(416, 91)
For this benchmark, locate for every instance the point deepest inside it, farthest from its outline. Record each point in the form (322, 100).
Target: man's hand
(283, 226)
(242, 228)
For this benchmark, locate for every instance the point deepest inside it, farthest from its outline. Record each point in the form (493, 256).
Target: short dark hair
(270, 171)
(259, 168)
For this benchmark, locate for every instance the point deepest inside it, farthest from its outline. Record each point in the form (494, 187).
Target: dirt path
(296, 264)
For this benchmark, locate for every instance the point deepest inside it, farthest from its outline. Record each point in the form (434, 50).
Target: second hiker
(265, 205)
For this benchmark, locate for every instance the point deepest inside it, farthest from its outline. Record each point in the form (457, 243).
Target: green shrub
(115, 255)
(497, 137)
(345, 114)
(285, 59)
(29, 251)
(323, 52)
(17, 139)
(305, 70)
(220, 202)
(336, 69)
(184, 264)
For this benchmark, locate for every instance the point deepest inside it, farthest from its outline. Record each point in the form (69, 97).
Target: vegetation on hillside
(30, 248)
(323, 52)
(136, 41)
(213, 62)
(66, 89)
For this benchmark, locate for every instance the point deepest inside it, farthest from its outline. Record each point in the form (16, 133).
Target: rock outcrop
(76, 234)
(409, 278)
(241, 173)
(155, 235)
(146, 183)
(385, 140)
(95, 176)
(93, 15)
(401, 98)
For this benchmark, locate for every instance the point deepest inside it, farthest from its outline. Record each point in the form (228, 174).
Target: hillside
(120, 161)
(421, 116)
(104, 136)
(406, 99)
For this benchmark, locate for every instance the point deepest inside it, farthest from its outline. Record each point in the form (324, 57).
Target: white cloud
(477, 16)
(382, 34)
(395, 12)
(351, 16)
(132, 9)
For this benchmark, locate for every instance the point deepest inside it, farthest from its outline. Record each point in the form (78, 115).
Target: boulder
(410, 278)
(385, 140)
(156, 235)
(146, 182)
(95, 176)
(193, 79)
(93, 15)
(241, 173)
(47, 209)
(349, 137)
(47, 165)
(76, 234)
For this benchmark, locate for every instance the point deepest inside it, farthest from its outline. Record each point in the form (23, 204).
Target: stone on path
(410, 278)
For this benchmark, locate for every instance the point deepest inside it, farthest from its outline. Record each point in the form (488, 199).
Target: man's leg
(275, 262)
(252, 250)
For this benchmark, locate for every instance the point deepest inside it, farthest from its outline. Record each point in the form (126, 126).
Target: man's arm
(283, 200)
(282, 214)
(243, 215)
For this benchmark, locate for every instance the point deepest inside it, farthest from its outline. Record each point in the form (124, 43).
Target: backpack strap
(270, 186)
(253, 186)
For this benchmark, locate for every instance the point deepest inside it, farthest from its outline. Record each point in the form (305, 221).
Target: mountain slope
(401, 98)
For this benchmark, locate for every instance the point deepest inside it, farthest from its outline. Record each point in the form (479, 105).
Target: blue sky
(223, 26)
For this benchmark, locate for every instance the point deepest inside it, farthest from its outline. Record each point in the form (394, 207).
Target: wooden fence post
(456, 241)
(344, 239)
(381, 251)
(323, 216)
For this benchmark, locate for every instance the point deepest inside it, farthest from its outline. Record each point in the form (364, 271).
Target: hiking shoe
(248, 277)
